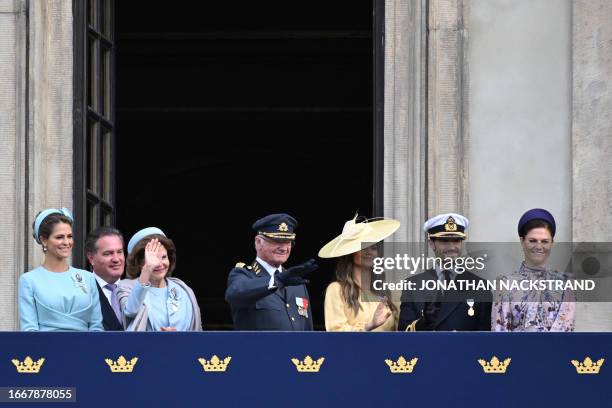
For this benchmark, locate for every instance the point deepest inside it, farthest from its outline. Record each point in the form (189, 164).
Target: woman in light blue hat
(55, 296)
(152, 300)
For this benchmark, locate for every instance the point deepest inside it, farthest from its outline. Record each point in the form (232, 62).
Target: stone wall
(592, 141)
(35, 131)
(12, 132)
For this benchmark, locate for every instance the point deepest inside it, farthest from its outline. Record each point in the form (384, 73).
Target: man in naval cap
(264, 295)
(445, 310)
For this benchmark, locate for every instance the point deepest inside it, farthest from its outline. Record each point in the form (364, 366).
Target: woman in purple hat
(535, 310)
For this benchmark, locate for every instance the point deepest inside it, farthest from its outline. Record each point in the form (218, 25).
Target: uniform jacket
(255, 307)
(109, 318)
(452, 315)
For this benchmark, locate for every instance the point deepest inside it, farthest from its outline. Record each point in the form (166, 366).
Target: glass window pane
(106, 18)
(106, 219)
(105, 83)
(92, 73)
(106, 165)
(92, 216)
(92, 157)
(92, 13)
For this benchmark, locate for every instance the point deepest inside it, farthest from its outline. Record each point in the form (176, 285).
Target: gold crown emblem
(450, 224)
(495, 366)
(28, 366)
(588, 366)
(308, 365)
(215, 364)
(283, 227)
(401, 366)
(121, 365)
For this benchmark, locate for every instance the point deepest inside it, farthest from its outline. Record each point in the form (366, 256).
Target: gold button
(293, 318)
(288, 305)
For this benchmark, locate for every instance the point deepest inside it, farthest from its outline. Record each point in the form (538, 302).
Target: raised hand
(381, 314)
(151, 260)
(295, 275)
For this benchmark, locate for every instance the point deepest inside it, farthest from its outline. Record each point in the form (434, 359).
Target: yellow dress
(340, 317)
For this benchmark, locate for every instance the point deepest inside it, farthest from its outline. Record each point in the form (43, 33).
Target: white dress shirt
(270, 269)
(105, 290)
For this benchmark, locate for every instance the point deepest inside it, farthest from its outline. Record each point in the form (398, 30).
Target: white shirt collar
(440, 274)
(269, 268)
(102, 282)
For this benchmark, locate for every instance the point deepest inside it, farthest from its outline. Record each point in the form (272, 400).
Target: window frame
(93, 206)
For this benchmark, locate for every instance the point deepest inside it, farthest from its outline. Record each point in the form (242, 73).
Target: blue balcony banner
(337, 369)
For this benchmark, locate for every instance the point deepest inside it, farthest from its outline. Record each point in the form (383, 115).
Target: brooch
(173, 301)
(78, 281)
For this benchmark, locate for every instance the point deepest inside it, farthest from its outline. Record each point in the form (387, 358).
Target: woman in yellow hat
(349, 305)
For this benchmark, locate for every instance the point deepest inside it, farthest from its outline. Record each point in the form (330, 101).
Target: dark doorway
(228, 111)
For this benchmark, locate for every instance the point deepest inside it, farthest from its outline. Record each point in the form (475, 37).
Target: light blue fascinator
(44, 214)
(143, 233)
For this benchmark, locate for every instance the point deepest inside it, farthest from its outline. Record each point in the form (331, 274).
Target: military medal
(302, 305)
(173, 301)
(78, 281)
(470, 303)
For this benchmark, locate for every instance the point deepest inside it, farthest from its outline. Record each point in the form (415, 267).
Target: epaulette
(242, 265)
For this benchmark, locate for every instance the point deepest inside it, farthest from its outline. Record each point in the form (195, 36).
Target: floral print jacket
(534, 311)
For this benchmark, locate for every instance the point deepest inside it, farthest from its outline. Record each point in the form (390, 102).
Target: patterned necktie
(114, 301)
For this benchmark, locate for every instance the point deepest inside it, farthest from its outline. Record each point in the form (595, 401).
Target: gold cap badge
(450, 225)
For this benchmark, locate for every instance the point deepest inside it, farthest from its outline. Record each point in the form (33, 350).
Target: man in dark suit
(264, 295)
(460, 309)
(104, 249)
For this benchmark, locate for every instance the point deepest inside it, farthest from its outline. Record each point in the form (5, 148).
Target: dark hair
(537, 223)
(93, 237)
(136, 258)
(46, 226)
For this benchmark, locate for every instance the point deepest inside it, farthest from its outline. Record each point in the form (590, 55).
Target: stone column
(592, 140)
(405, 117)
(50, 119)
(35, 130)
(447, 139)
(12, 164)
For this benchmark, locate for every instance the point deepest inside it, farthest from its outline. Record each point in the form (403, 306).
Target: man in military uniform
(264, 295)
(456, 310)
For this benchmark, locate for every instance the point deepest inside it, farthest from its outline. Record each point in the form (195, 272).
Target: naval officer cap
(449, 225)
(537, 214)
(276, 226)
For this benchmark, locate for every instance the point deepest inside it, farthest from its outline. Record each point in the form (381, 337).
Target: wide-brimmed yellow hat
(355, 233)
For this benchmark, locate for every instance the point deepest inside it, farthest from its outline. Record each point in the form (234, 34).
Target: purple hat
(537, 214)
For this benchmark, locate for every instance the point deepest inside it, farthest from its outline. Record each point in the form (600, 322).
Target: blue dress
(166, 307)
(51, 301)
